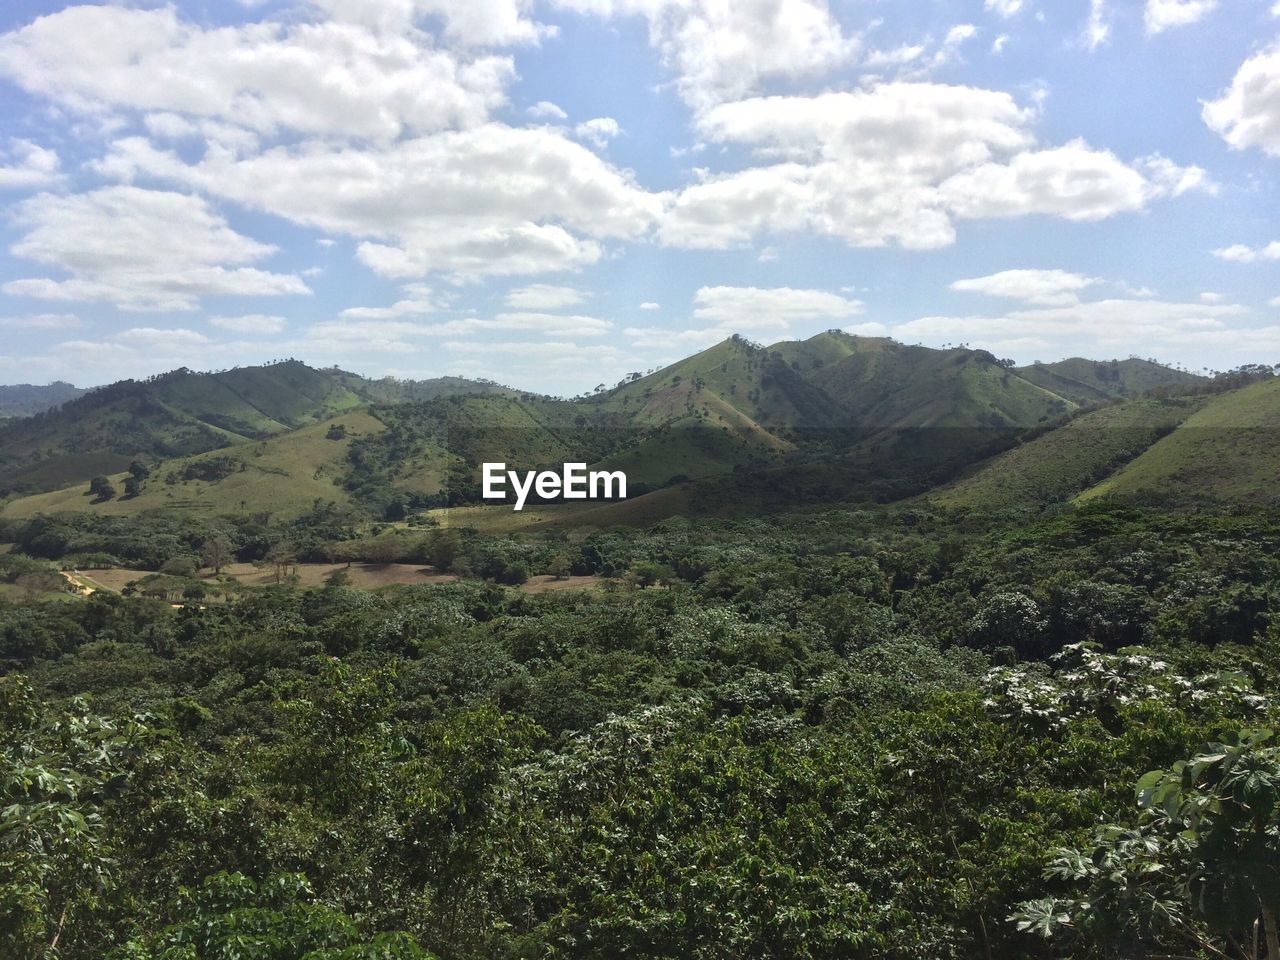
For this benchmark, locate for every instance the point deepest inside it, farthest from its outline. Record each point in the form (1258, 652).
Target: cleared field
(366, 576)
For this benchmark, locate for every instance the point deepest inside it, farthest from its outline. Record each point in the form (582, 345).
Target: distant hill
(828, 419)
(26, 399)
(1062, 462)
(183, 413)
(1089, 381)
(1229, 449)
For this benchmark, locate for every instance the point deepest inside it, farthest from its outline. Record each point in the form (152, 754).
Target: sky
(557, 193)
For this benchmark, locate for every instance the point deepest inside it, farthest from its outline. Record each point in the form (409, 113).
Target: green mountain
(1089, 381)
(1226, 450)
(26, 399)
(834, 417)
(183, 413)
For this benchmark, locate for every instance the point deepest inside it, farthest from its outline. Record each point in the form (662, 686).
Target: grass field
(1228, 450)
(283, 476)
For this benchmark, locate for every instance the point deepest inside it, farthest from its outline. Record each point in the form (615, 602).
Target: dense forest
(880, 732)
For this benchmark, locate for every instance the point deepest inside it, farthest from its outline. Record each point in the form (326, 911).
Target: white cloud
(1274, 302)
(1102, 328)
(1241, 253)
(1248, 112)
(753, 308)
(326, 77)
(257, 324)
(390, 329)
(1041, 287)
(41, 321)
(491, 200)
(544, 296)
(1161, 15)
(1003, 8)
(999, 43)
(162, 339)
(868, 330)
(650, 305)
(598, 131)
(899, 163)
(418, 300)
(546, 110)
(26, 164)
(139, 249)
(482, 23)
(722, 51)
(1097, 31)
(1209, 296)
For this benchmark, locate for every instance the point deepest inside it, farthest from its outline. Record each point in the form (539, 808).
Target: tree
(282, 556)
(559, 566)
(1201, 869)
(216, 552)
(101, 488)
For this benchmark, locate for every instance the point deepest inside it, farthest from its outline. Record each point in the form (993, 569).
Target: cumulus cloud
(328, 77)
(490, 200)
(1043, 287)
(1110, 327)
(1003, 8)
(1242, 253)
(482, 23)
(139, 249)
(418, 299)
(754, 309)
(1097, 30)
(1248, 112)
(25, 164)
(393, 330)
(898, 163)
(722, 51)
(546, 110)
(598, 131)
(257, 324)
(1161, 15)
(544, 296)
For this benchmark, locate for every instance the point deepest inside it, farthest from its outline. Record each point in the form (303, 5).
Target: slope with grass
(1058, 464)
(1227, 450)
(1089, 381)
(183, 413)
(282, 476)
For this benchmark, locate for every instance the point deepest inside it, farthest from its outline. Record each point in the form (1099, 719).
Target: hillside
(282, 476)
(27, 399)
(1226, 450)
(1057, 465)
(828, 419)
(182, 413)
(1089, 381)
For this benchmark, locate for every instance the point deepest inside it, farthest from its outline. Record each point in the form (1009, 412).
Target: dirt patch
(366, 576)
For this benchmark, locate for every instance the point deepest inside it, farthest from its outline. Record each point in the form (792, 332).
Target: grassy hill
(283, 476)
(182, 413)
(1059, 464)
(1226, 450)
(1089, 381)
(828, 419)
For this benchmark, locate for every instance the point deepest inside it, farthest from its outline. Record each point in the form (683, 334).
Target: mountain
(1089, 381)
(831, 418)
(1059, 464)
(26, 399)
(1226, 450)
(183, 413)
(1202, 446)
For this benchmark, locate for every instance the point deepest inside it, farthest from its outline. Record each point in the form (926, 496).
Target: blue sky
(554, 193)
